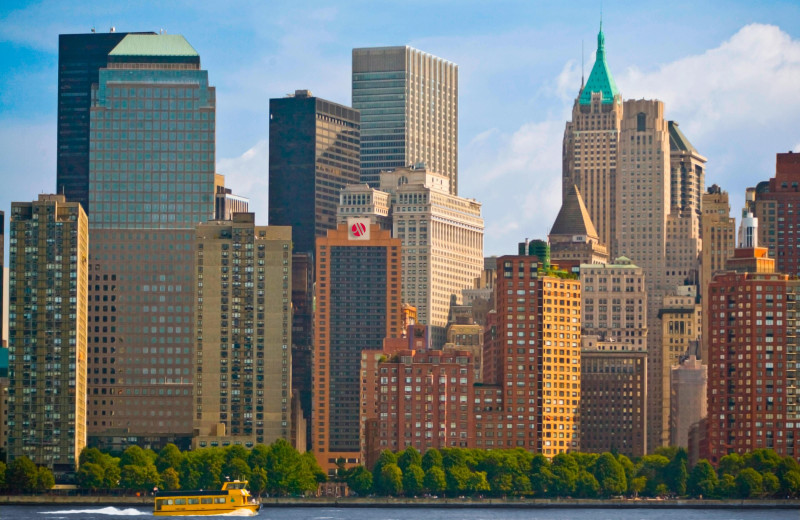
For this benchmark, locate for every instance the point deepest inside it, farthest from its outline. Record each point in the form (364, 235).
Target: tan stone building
(48, 305)
(441, 233)
(719, 241)
(688, 384)
(243, 361)
(573, 238)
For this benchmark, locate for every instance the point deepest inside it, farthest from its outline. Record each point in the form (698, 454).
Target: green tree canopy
(21, 475)
(702, 480)
(169, 457)
(610, 475)
(749, 483)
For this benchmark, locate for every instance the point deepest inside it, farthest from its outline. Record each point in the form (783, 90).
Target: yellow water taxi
(234, 496)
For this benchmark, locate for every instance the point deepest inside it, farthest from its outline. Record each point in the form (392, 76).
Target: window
(641, 122)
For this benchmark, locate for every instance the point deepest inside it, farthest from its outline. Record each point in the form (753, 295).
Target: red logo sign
(358, 229)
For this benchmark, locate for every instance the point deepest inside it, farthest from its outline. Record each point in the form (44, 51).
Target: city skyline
(729, 85)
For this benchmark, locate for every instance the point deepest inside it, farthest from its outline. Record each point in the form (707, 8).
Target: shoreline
(454, 503)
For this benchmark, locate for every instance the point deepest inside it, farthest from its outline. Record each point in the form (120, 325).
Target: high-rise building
(243, 380)
(3, 295)
(303, 334)
(151, 180)
(775, 208)
(441, 233)
(409, 111)
(688, 396)
(226, 203)
(358, 305)
(718, 231)
(534, 356)
(752, 371)
(314, 149)
(613, 400)
(48, 322)
(590, 147)
(80, 58)
(573, 238)
(680, 317)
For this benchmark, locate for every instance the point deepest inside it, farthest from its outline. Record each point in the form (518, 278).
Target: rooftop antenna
(582, 66)
(93, 29)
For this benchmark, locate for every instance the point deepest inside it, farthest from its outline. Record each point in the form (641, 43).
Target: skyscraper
(48, 321)
(573, 239)
(409, 111)
(590, 146)
(718, 230)
(243, 317)
(313, 153)
(151, 181)
(358, 305)
(80, 58)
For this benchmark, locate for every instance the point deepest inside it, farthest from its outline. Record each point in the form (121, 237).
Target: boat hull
(186, 511)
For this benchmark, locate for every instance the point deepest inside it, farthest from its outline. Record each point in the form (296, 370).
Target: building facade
(358, 305)
(534, 356)
(243, 358)
(752, 374)
(441, 233)
(718, 230)
(151, 180)
(409, 111)
(314, 147)
(689, 387)
(613, 398)
(48, 304)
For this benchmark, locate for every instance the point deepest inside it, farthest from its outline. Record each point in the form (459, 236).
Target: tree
(2, 474)
(360, 480)
(170, 480)
(770, 483)
(457, 477)
(169, 457)
(702, 480)
(391, 480)
(610, 475)
(44, 479)
(258, 456)
(586, 485)
(413, 479)
(258, 481)
(236, 468)
(21, 475)
(477, 482)
(435, 480)
(675, 474)
(139, 477)
(432, 457)
(790, 483)
(638, 485)
(409, 457)
(749, 483)
(136, 456)
(652, 467)
(90, 476)
(730, 464)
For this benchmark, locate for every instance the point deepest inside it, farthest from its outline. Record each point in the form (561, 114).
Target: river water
(389, 513)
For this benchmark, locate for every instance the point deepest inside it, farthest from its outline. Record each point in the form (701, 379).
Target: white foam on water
(239, 512)
(111, 511)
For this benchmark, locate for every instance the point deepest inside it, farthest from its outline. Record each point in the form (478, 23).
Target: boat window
(219, 500)
(169, 501)
(194, 500)
(208, 500)
(180, 501)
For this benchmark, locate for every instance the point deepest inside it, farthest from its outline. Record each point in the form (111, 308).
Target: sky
(728, 73)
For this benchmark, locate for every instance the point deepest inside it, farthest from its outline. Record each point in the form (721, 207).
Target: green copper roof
(153, 45)
(678, 141)
(600, 79)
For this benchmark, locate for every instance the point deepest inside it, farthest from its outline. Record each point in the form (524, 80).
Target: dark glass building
(80, 58)
(314, 148)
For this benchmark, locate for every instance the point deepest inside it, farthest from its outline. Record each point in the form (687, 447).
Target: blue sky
(728, 72)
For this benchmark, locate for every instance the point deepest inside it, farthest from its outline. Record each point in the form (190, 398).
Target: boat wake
(110, 511)
(239, 512)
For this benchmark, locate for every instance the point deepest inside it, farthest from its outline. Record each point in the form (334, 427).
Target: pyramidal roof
(153, 45)
(573, 218)
(678, 141)
(600, 79)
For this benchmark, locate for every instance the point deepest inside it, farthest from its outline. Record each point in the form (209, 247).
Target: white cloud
(247, 176)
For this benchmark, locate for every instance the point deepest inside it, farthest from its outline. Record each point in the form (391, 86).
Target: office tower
(409, 111)
(467, 336)
(243, 318)
(752, 374)
(303, 335)
(775, 208)
(614, 303)
(226, 203)
(441, 233)
(535, 356)
(357, 305)
(680, 324)
(3, 309)
(4, 399)
(613, 397)
(151, 181)
(689, 388)
(590, 147)
(687, 174)
(573, 238)
(718, 231)
(314, 149)
(48, 322)
(657, 232)
(80, 58)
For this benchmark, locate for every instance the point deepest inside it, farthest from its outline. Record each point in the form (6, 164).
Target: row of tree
(459, 472)
(23, 476)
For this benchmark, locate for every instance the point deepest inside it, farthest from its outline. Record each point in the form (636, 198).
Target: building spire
(600, 79)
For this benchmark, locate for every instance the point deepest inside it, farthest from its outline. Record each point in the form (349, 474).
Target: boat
(233, 497)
